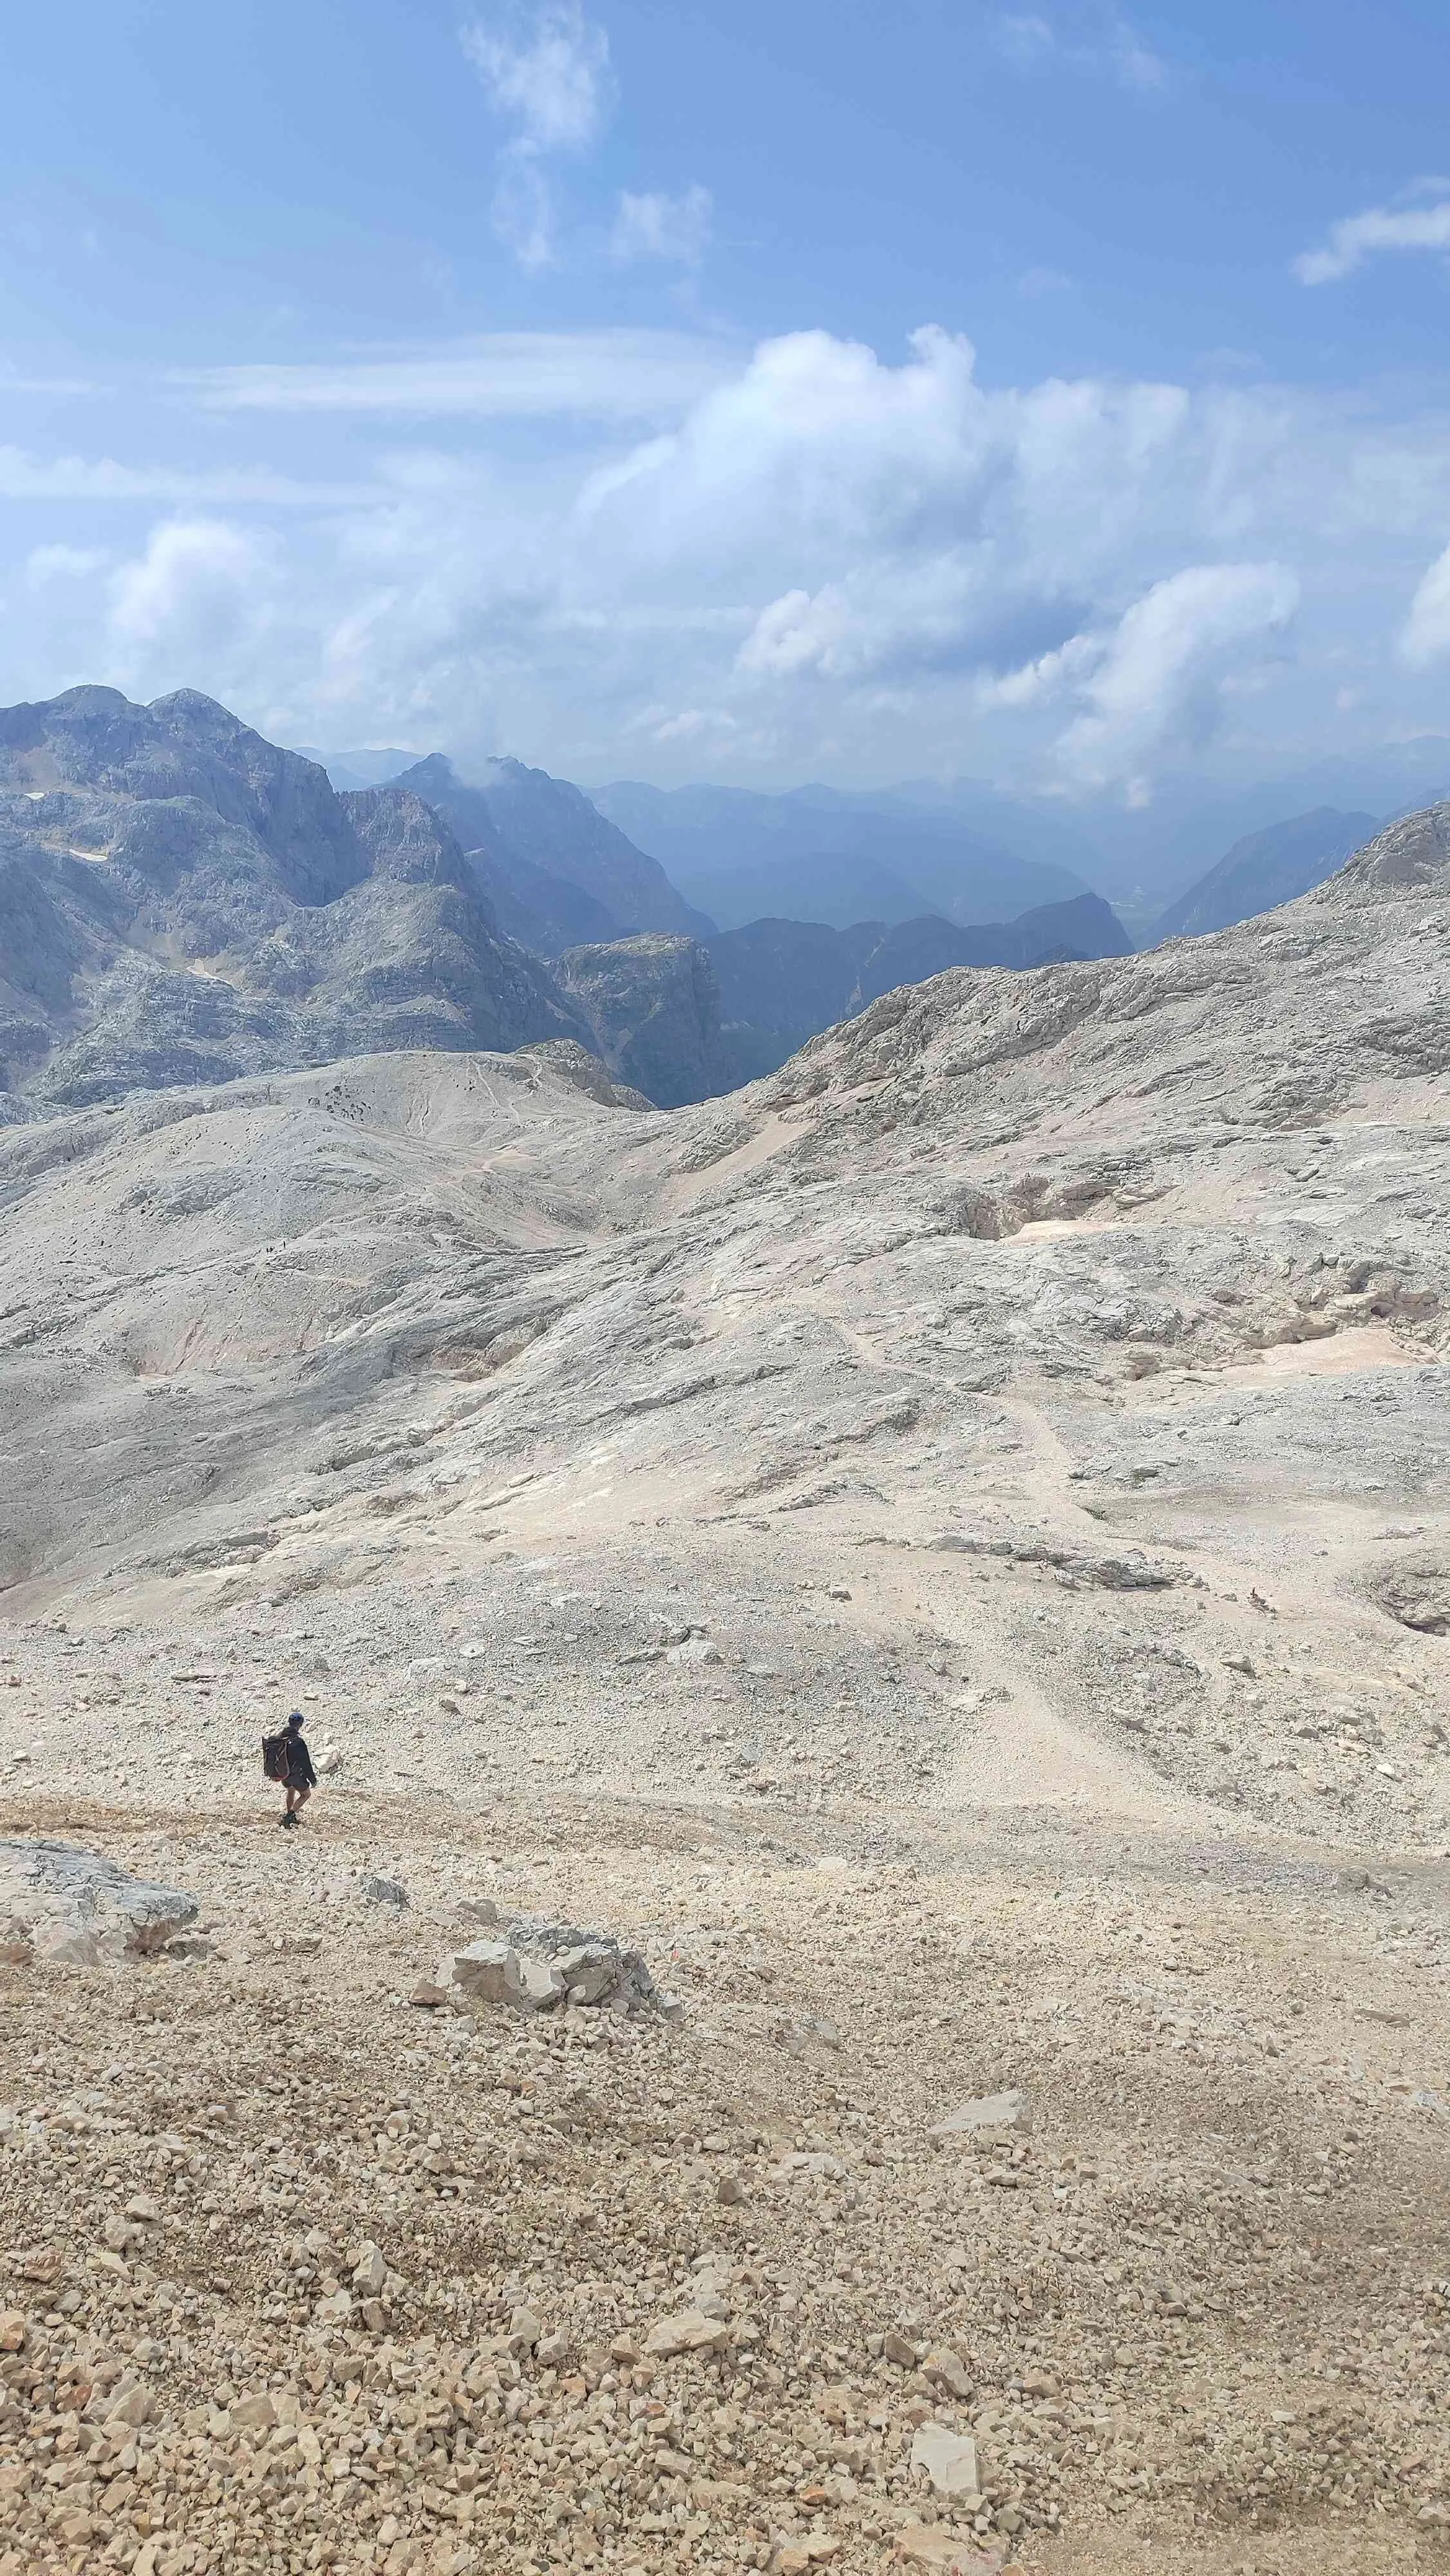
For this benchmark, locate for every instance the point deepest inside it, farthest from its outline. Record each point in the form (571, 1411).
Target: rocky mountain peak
(1413, 852)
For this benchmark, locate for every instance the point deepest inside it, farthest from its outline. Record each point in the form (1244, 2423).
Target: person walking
(301, 1778)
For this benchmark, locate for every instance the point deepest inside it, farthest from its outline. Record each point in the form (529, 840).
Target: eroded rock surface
(62, 1907)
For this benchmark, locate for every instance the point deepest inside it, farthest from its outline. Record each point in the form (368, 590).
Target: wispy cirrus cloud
(1357, 238)
(621, 375)
(1102, 43)
(546, 72)
(675, 230)
(24, 477)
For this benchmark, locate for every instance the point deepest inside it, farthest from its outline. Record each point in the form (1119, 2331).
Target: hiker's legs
(300, 1796)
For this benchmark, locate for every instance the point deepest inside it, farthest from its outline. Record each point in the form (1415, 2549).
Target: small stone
(369, 2272)
(923, 2545)
(947, 2370)
(730, 2190)
(531, 1984)
(478, 1972)
(897, 2347)
(13, 2329)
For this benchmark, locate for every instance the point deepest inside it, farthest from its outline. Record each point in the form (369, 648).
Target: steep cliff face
(181, 901)
(653, 1005)
(531, 825)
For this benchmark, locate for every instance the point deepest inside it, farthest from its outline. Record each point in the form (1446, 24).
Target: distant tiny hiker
(285, 1758)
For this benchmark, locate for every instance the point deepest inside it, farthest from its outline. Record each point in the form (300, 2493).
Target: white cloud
(1355, 237)
(1153, 686)
(45, 564)
(1099, 42)
(200, 595)
(676, 229)
(814, 559)
(1426, 633)
(546, 71)
(508, 375)
(77, 478)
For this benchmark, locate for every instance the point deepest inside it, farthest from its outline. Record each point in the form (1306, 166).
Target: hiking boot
(288, 1819)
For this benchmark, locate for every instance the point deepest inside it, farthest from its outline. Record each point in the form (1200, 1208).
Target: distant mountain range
(183, 902)
(783, 981)
(816, 855)
(1267, 868)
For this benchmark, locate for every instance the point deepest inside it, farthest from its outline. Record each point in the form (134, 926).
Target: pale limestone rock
(1010, 2110)
(692, 2331)
(949, 2459)
(65, 1907)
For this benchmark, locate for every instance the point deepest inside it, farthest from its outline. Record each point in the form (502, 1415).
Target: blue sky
(1049, 394)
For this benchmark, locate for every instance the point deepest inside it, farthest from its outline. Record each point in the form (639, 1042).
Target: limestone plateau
(865, 1984)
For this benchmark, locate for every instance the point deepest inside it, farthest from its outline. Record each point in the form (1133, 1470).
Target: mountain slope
(783, 981)
(948, 1551)
(181, 901)
(1266, 869)
(524, 818)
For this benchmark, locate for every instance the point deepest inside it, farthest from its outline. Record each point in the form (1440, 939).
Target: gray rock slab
(71, 1908)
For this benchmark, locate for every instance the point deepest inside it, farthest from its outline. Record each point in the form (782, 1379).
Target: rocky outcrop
(180, 901)
(63, 1907)
(1266, 869)
(653, 1006)
(530, 1966)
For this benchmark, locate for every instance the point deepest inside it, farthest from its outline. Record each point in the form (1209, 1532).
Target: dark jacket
(300, 1774)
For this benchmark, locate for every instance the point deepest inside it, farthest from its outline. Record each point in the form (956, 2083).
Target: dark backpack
(277, 1757)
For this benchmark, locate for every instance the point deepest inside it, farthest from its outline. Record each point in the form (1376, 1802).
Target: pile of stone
(531, 1966)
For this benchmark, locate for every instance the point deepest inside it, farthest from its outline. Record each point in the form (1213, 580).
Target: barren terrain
(946, 1552)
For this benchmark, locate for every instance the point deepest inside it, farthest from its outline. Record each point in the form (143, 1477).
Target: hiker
(285, 1758)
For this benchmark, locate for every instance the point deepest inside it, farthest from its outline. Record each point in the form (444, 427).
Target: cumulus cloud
(199, 595)
(45, 564)
(1425, 636)
(547, 75)
(815, 557)
(1355, 238)
(674, 229)
(1152, 684)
